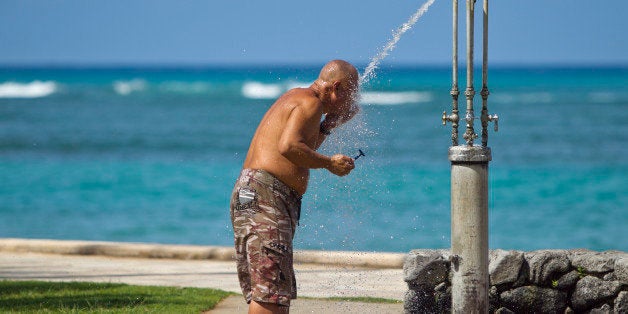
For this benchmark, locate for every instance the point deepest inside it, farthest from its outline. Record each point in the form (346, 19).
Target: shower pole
(469, 182)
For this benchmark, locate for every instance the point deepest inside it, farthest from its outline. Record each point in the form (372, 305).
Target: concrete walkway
(50, 260)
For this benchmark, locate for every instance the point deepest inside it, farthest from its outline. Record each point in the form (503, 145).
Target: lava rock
(493, 299)
(593, 262)
(442, 301)
(504, 266)
(591, 291)
(425, 268)
(621, 270)
(419, 301)
(533, 299)
(621, 303)
(546, 265)
(609, 276)
(604, 309)
(568, 280)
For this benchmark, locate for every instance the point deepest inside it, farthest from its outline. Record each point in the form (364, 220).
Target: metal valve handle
(495, 119)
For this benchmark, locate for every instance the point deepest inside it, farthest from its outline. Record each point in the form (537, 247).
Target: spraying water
(359, 129)
(353, 138)
(369, 72)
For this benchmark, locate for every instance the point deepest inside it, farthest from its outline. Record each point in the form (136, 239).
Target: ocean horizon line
(306, 65)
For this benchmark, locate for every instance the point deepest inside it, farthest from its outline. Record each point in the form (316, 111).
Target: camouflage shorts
(264, 214)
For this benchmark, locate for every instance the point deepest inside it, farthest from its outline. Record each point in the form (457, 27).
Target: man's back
(295, 110)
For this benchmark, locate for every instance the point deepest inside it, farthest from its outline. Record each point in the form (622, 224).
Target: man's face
(346, 97)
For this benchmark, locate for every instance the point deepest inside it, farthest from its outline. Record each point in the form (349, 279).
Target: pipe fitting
(453, 118)
(495, 119)
(469, 92)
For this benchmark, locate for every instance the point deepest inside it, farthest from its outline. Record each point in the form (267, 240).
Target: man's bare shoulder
(303, 98)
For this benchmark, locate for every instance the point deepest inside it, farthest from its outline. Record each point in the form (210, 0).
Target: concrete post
(469, 228)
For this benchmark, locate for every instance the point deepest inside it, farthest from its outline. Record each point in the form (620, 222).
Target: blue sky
(130, 32)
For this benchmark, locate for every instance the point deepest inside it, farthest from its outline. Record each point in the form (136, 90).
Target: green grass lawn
(86, 297)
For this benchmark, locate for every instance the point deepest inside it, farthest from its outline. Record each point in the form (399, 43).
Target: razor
(359, 155)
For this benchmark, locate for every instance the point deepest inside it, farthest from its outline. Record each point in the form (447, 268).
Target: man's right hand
(341, 165)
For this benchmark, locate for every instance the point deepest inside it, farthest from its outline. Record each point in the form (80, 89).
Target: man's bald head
(337, 87)
(339, 71)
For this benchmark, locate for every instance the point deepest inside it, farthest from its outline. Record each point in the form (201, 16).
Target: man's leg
(267, 308)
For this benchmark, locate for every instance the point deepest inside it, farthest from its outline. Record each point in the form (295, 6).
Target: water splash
(347, 216)
(369, 72)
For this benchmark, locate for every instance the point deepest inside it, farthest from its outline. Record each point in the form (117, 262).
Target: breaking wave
(34, 89)
(257, 90)
(185, 87)
(394, 98)
(127, 87)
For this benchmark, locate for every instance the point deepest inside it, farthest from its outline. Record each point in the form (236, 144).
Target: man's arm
(293, 140)
(333, 121)
(303, 123)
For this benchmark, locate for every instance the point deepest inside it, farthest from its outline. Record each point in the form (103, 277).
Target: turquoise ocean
(151, 154)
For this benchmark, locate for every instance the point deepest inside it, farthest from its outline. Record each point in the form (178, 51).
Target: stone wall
(546, 281)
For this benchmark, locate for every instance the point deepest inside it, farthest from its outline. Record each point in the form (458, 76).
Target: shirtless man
(266, 199)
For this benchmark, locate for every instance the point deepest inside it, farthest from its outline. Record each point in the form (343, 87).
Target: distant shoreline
(191, 252)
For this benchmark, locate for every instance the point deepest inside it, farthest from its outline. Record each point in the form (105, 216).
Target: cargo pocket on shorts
(246, 199)
(276, 259)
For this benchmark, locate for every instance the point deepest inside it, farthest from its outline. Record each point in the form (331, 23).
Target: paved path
(314, 280)
(235, 304)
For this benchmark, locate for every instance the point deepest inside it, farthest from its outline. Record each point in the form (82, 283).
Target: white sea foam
(34, 89)
(534, 97)
(603, 97)
(127, 87)
(257, 90)
(292, 85)
(394, 98)
(539, 97)
(185, 87)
